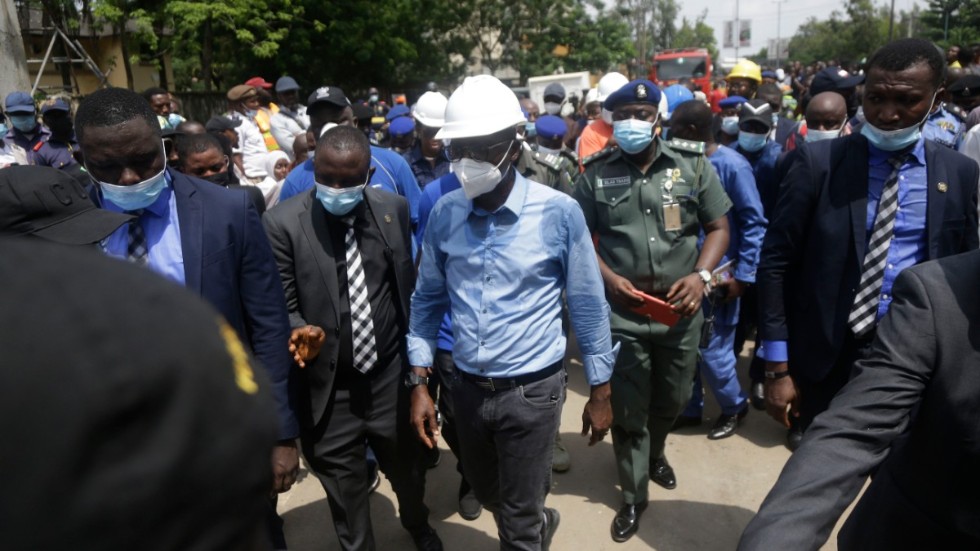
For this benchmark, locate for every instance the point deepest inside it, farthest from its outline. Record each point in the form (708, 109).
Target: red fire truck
(669, 66)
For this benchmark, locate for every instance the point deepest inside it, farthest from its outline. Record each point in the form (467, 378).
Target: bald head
(826, 111)
(691, 120)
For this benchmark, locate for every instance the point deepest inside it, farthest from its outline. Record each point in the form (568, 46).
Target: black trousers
(815, 396)
(372, 409)
(444, 372)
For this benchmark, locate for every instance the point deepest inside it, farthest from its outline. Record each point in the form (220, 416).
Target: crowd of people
(409, 272)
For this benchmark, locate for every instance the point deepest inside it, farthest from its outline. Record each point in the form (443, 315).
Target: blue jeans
(716, 366)
(507, 440)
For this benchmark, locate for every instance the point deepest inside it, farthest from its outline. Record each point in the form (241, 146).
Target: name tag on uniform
(672, 216)
(613, 182)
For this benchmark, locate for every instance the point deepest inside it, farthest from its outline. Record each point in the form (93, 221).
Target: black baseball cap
(328, 94)
(222, 123)
(967, 86)
(132, 417)
(833, 79)
(757, 110)
(50, 204)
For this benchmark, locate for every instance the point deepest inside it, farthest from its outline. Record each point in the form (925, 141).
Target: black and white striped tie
(362, 325)
(865, 308)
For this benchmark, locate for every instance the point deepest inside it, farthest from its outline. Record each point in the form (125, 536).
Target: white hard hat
(609, 83)
(481, 106)
(592, 95)
(430, 110)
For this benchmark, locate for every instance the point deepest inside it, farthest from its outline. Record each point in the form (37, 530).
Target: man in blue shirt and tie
(498, 254)
(854, 212)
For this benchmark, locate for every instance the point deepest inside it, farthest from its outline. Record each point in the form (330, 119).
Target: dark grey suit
(911, 412)
(338, 412)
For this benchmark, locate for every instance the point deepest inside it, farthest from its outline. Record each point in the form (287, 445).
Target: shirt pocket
(613, 206)
(690, 203)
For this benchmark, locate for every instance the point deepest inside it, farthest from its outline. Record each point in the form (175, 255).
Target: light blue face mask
(23, 123)
(250, 113)
(339, 201)
(3, 130)
(530, 130)
(895, 140)
(137, 196)
(775, 118)
(729, 125)
(633, 135)
(747, 141)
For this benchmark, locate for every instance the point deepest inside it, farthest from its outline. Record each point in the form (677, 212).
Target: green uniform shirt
(546, 169)
(624, 209)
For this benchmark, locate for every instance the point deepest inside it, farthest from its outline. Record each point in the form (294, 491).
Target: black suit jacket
(810, 264)
(304, 251)
(910, 411)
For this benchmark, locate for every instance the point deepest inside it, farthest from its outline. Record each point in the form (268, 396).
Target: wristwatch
(776, 374)
(705, 275)
(413, 379)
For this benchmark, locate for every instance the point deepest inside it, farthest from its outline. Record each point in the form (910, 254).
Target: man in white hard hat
(498, 254)
(596, 136)
(427, 157)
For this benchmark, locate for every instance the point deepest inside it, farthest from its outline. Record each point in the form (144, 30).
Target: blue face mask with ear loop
(751, 142)
(3, 130)
(633, 135)
(895, 140)
(340, 201)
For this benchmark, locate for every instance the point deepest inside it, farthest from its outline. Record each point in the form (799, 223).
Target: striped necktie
(136, 250)
(864, 312)
(365, 352)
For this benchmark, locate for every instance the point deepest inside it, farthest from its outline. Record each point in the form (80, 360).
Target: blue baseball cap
(550, 127)
(637, 91)
(731, 101)
(399, 110)
(20, 102)
(55, 104)
(401, 126)
(285, 84)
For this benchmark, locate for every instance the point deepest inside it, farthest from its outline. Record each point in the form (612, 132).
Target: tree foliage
(697, 34)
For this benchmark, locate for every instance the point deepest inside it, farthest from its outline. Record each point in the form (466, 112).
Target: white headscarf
(269, 186)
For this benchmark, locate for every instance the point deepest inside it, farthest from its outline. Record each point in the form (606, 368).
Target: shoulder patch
(686, 146)
(600, 154)
(549, 160)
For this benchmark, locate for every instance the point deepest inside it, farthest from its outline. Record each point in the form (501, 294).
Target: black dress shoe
(726, 424)
(627, 521)
(662, 473)
(684, 421)
(549, 525)
(758, 397)
(469, 507)
(426, 538)
(793, 438)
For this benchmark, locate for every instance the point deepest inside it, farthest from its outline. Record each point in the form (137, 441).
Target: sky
(763, 14)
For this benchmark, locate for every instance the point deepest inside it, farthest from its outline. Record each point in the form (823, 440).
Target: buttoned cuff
(774, 351)
(421, 351)
(599, 367)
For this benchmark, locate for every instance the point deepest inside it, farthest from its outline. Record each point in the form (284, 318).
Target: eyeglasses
(477, 151)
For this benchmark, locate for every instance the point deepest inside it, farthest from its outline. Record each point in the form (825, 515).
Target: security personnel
(744, 79)
(25, 132)
(965, 94)
(943, 127)
(60, 148)
(546, 160)
(645, 203)
(728, 126)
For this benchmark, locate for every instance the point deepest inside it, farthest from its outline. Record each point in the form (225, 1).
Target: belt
(495, 384)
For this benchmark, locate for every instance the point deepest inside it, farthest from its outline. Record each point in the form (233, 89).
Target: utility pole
(779, 22)
(737, 31)
(12, 51)
(891, 21)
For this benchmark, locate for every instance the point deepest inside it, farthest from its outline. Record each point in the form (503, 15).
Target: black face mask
(220, 178)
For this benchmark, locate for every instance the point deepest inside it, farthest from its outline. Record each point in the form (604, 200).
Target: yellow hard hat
(746, 69)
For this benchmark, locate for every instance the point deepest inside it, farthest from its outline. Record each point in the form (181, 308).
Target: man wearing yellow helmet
(744, 79)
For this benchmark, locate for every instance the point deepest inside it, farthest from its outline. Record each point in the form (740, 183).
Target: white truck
(576, 84)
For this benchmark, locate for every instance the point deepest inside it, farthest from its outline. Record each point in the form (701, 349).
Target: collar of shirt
(157, 208)
(880, 156)
(514, 202)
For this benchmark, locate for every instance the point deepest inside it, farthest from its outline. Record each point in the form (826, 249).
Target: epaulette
(686, 146)
(600, 154)
(550, 160)
(956, 111)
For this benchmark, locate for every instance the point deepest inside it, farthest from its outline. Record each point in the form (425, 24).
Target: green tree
(697, 34)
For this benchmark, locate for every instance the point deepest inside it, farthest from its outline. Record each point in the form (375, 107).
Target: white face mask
(552, 108)
(478, 177)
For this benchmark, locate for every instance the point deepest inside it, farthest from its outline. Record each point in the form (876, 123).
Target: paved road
(720, 484)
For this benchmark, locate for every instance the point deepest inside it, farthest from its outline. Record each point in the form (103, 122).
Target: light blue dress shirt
(502, 275)
(165, 255)
(909, 240)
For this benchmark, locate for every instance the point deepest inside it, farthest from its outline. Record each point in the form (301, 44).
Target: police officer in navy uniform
(943, 127)
(546, 160)
(646, 201)
(60, 148)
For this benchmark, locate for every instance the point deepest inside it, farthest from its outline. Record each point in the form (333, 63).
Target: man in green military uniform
(646, 202)
(544, 159)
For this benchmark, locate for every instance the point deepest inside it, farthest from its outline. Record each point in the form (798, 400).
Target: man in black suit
(910, 416)
(345, 256)
(854, 212)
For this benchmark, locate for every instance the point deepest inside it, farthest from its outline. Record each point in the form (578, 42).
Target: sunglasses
(477, 151)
